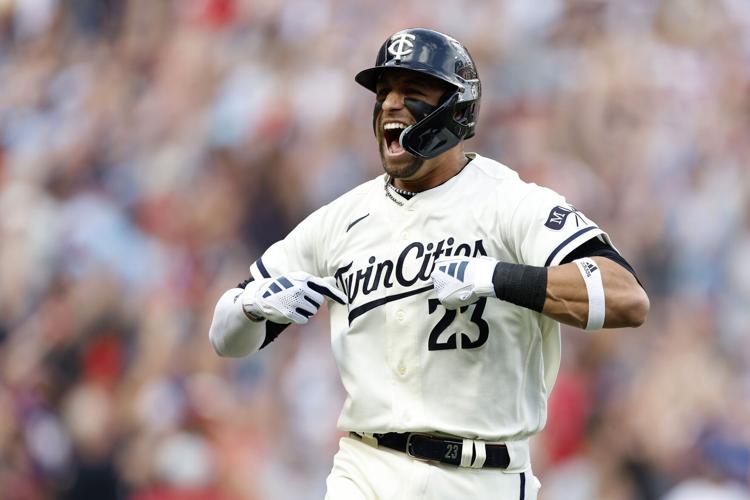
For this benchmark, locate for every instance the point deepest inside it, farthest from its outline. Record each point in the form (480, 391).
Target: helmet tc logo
(401, 45)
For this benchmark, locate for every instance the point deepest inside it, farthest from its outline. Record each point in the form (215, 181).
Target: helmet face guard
(434, 54)
(436, 133)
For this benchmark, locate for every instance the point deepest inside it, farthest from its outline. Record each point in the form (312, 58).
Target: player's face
(394, 86)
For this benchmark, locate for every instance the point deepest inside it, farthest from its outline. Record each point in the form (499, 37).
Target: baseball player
(446, 279)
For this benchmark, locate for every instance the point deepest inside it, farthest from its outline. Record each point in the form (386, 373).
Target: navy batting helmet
(429, 52)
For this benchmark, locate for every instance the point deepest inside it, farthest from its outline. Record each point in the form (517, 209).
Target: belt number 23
(435, 343)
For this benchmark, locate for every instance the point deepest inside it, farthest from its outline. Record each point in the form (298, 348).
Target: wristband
(592, 276)
(522, 285)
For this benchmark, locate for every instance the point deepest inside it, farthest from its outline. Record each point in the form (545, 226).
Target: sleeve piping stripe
(263, 271)
(562, 245)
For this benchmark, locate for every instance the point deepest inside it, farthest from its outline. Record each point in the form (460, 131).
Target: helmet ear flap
(463, 114)
(434, 134)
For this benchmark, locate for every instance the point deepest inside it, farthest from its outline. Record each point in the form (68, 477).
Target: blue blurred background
(149, 150)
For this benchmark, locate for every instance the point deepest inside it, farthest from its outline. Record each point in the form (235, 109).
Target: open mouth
(391, 134)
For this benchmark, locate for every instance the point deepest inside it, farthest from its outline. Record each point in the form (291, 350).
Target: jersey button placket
(400, 317)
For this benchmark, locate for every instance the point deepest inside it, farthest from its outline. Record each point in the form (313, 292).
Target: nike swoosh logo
(356, 221)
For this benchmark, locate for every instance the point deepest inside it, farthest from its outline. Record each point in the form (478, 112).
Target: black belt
(438, 449)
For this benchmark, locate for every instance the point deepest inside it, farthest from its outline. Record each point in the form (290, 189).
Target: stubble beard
(403, 171)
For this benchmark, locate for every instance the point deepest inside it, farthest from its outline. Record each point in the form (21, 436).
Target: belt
(452, 451)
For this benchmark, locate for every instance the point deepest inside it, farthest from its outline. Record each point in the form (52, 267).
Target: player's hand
(460, 281)
(290, 298)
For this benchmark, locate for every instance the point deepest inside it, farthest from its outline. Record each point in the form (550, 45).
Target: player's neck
(434, 172)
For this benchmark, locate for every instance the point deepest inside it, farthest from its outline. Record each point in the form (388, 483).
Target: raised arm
(591, 292)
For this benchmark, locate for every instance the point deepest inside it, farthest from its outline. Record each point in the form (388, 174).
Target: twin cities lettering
(413, 265)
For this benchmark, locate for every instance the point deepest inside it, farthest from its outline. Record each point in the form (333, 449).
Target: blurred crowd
(150, 150)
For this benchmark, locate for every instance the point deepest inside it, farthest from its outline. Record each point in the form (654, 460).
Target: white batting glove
(460, 281)
(290, 298)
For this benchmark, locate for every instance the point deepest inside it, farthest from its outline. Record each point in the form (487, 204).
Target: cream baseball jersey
(408, 364)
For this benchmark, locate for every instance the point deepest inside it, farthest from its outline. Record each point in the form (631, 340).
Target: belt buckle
(408, 446)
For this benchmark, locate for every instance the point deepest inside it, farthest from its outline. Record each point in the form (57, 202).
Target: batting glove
(291, 298)
(460, 281)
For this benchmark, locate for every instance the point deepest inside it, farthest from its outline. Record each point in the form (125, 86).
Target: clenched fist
(290, 298)
(460, 281)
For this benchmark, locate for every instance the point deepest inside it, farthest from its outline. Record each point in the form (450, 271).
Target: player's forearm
(625, 302)
(608, 297)
(232, 334)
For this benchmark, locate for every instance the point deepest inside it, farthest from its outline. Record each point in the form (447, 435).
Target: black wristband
(522, 285)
